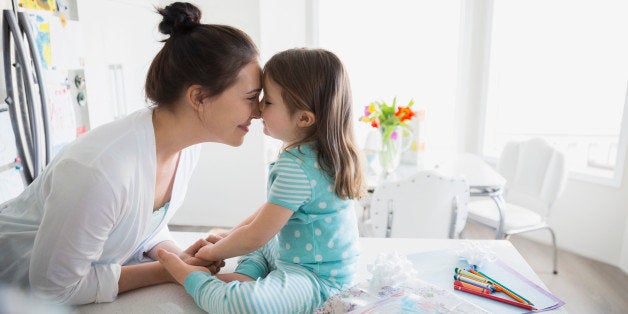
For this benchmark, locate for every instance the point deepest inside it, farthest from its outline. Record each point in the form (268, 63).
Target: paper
(437, 267)
(415, 297)
(394, 287)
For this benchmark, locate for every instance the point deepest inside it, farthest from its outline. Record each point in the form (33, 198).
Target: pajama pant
(279, 287)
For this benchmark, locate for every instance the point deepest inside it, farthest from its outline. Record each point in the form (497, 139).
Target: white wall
(282, 26)
(623, 261)
(117, 32)
(472, 75)
(590, 219)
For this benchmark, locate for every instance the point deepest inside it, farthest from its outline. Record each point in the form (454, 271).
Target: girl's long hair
(315, 80)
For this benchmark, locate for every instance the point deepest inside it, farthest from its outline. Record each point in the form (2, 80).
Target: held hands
(177, 268)
(202, 255)
(189, 255)
(181, 266)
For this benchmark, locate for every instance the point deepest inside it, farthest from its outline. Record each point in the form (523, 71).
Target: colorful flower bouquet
(392, 122)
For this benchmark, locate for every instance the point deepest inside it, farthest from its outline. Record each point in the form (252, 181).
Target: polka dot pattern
(320, 231)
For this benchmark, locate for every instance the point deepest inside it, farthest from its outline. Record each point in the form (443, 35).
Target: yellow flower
(372, 107)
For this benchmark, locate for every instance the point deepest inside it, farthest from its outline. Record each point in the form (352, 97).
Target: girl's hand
(213, 238)
(189, 252)
(188, 257)
(177, 268)
(204, 253)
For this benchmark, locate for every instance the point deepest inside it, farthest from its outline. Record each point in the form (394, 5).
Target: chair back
(425, 205)
(535, 173)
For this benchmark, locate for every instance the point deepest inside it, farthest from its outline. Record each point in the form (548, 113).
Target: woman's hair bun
(179, 17)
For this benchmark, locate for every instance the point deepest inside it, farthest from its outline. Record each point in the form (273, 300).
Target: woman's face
(228, 116)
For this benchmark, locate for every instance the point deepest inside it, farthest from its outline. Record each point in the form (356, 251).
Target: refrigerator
(45, 105)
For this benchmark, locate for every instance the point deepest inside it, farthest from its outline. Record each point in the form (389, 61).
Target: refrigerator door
(45, 84)
(39, 79)
(11, 182)
(24, 107)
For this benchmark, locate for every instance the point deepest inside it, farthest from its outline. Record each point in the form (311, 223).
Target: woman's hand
(176, 267)
(188, 256)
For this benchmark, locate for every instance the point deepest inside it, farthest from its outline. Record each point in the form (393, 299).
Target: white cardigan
(87, 212)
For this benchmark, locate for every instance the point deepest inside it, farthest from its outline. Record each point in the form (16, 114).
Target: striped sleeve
(290, 187)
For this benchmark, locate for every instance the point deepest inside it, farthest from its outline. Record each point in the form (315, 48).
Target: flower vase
(390, 152)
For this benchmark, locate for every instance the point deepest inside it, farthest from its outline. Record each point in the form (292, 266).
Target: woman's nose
(256, 111)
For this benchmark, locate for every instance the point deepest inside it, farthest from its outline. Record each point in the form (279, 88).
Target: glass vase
(392, 146)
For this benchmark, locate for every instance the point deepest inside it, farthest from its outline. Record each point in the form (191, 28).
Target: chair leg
(555, 250)
(554, 247)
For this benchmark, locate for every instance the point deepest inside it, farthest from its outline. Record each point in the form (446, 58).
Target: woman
(89, 227)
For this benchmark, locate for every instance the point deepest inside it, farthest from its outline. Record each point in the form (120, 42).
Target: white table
(171, 298)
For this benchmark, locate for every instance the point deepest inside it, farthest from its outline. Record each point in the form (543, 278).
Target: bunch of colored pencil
(478, 283)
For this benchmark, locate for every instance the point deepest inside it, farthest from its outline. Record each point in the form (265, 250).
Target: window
(407, 49)
(559, 70)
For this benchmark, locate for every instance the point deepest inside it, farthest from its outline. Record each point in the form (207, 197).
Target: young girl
(304, 238)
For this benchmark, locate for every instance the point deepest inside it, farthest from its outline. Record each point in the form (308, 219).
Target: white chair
(425, 205)
(535, 174)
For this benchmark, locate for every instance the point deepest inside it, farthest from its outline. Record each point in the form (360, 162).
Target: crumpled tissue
(391, 269)
(476, 253)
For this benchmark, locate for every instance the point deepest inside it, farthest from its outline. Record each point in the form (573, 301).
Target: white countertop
(172, 298)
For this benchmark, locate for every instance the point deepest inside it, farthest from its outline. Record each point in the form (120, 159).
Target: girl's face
(228, 116)
(278, 122)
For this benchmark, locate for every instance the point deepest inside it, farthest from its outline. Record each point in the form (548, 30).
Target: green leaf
(411, 103)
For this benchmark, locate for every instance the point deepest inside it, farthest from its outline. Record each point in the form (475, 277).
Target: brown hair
(315, 80)
(206, 54)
